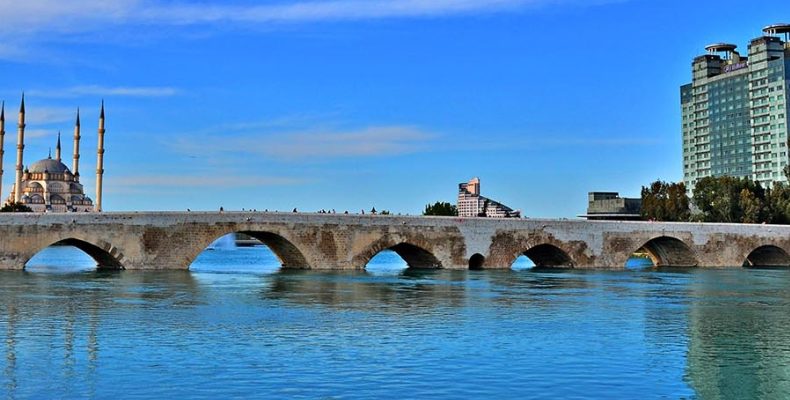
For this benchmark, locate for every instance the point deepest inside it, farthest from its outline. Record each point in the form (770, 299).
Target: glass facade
(735, 113)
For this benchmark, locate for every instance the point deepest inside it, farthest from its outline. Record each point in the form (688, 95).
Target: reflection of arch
(666, 251)
(104, 254)
(477, 261)
(767, 256)
(548, 256)
(415, 256)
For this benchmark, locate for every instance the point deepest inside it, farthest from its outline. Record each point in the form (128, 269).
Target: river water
(236, 327)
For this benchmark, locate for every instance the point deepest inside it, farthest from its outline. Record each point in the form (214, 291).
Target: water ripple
(261, 333)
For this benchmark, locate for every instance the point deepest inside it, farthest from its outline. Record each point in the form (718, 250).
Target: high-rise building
(735, 111)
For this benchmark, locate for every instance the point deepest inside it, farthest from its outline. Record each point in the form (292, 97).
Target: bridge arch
(104, 254)
(477, 261)
(546, 255)
(415, 256)
(668, 251)
(287, 253)
(767, 256)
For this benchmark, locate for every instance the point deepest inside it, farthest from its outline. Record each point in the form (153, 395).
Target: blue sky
(352, 104)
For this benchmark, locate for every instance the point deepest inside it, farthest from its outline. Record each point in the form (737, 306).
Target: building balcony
(756, 97)
(755, 123)
(759, 112)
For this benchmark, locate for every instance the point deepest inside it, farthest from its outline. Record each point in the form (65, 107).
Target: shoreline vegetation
(717, 199)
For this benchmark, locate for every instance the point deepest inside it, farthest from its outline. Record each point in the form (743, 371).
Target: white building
(472, 204)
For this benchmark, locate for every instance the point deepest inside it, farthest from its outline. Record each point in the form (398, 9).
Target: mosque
(48, 185)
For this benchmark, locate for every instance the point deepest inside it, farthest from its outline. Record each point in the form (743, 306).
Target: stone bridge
(172, 240)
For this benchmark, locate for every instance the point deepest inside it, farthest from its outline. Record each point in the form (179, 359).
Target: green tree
(15, 207)
(677, 202)
(718, 199)
(752, 207)
(777, 204)
(731, 199)
(663, 201)
(440, 209)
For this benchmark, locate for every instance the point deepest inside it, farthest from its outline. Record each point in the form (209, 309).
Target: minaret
(76, 165)
(100, 159)
(2, 141)
(57, 148)
(20, 147)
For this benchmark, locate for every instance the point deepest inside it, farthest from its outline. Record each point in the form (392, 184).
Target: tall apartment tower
(735, 111)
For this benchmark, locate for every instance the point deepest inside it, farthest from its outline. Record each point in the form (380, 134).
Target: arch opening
(767, 257)
(73, 255)
(664, 251)
(259, 252)
(641, 259)
(410, 256)
(477, 261)
(542, 256)
(416, 257)
(386, 262)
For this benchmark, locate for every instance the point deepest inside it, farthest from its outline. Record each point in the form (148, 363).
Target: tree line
(717, 199)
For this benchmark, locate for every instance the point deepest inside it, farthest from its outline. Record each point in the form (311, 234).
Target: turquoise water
(236, 327)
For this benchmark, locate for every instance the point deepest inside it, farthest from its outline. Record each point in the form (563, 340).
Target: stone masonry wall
(172, 240)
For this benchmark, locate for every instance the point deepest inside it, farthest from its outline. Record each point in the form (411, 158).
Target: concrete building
(48, 185)
(610, 206)
(472, 204)
(735, 111)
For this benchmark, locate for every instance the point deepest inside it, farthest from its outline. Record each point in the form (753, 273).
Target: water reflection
(220, 332)
(407, 290)
(9, 373)
(58, 319)
(739, 346)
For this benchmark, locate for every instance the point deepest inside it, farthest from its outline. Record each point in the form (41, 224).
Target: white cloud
(182, 181)
(29, 26)
(73, 16)
(310, 11)
(36, 133)
(43, 115)
(106, 91)
(372, 141)
(317, 144)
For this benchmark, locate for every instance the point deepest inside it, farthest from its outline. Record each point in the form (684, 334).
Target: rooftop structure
(610, 206)
(778, 29)
(472, 204)
(735, 111)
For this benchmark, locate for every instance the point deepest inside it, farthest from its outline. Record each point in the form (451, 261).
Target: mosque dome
(49, 165)
(48, 185)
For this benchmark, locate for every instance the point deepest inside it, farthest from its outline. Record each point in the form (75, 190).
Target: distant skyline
(349, 104)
